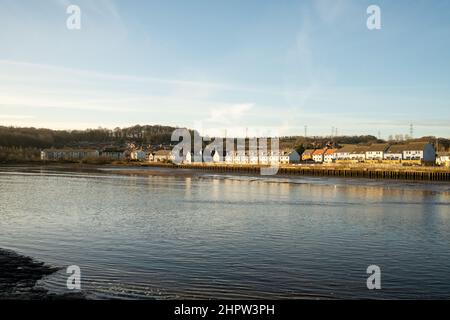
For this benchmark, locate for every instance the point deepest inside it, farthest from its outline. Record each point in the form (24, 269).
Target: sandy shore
(19, 275)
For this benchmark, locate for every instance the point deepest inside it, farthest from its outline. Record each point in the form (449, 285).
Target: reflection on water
(219, 236)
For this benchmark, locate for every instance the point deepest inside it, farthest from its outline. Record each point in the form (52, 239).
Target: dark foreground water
(215, 236)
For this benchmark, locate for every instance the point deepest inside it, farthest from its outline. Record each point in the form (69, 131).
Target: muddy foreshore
(19, 275)
(356, 171)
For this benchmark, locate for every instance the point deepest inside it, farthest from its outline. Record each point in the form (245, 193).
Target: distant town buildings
(72, 154)
(416, 151)
(409, 153)
(163, 156)
(113, 154)
(443, 159)
(138, 155)
(261, 157)
(68, 154)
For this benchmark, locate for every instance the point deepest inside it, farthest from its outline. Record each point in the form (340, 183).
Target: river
(195, 236)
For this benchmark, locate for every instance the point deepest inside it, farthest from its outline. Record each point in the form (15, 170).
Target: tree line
(38, 138)
(45, 138)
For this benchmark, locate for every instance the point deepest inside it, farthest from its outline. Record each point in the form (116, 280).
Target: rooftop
(417, 145)
(378, 147)
(319, 152)
(397, 148)
(360, 149)
(413, 146)
(347, 148)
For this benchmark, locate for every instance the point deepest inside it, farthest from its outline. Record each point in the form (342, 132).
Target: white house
(284, 158)
(253, 158)
(216, 158)
(229, 158)
(423, 151)
(376, 151)
(317, 155)
(163, 156)
(344, 153)
(329, 156)
(289, 156)
(138, 155)
(395, 152)
(274, 157)
(188, 157)
(241, 158)
(443, 159)
(359, 153)
(263, 157)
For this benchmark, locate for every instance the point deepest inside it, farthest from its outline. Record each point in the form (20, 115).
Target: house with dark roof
(423, 151)
(344, 153)
(415, 151)
(359, 153)
(376, 151)
(395, 152)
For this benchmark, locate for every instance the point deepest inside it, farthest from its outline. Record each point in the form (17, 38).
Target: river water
(165, 236)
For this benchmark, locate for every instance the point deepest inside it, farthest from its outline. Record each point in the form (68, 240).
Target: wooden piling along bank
(431, 174)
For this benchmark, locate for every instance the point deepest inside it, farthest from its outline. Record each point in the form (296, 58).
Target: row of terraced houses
(415, 153)
(419, 152)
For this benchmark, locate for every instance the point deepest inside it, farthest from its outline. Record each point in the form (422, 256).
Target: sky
(264, 67)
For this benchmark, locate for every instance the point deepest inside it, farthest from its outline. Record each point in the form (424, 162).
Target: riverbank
(19, 275)
(368, 171)
(357, 170)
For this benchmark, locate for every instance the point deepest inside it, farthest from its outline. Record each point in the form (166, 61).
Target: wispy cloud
(229, 114)
(14, 117)
(30, 70)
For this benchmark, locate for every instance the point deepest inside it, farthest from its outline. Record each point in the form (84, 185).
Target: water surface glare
(220, 236)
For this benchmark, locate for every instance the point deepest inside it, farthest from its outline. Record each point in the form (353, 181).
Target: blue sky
(270, 66)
